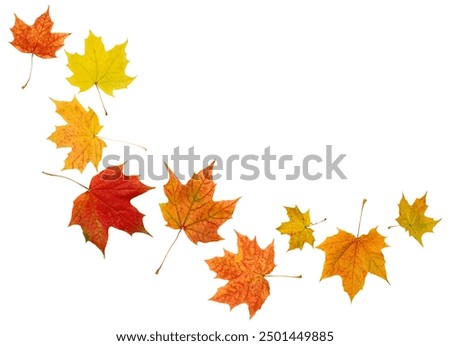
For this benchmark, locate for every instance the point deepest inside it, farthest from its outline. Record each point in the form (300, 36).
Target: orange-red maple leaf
(37, 38)
(191, 208)
(245, 272)
(107, 204)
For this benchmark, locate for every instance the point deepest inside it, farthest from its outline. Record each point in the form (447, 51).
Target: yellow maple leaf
(80, 134)
(99, 67)
(297, 228)
(352, 258)
(412, 218)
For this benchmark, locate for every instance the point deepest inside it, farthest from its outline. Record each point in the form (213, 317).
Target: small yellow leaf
(412, 218)
(297, 228)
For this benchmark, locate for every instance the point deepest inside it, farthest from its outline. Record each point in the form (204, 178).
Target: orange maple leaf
(37, 39)
(353, 257)
(106, 203)
(191, 208)
(245, 272)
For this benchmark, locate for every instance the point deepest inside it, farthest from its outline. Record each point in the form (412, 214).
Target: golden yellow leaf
(297, 228)
(412, 218)
(80, 134)
(353, 257)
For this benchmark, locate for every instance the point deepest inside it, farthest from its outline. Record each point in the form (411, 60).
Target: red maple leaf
(107, 204)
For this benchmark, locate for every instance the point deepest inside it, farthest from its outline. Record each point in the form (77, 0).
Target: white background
(372, 78)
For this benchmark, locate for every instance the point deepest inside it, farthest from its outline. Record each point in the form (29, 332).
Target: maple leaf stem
(101, 99)
(360, 216)
(31, 71)
(393, 226)
(313, 224)
(170, 248)
(62, 176)
(120, 141)
(283, 276)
